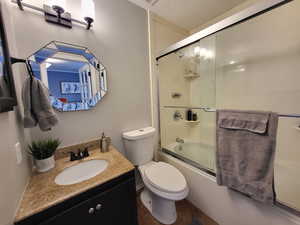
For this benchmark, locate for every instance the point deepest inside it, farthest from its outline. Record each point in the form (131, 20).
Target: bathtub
(198, 154)
(223, 205)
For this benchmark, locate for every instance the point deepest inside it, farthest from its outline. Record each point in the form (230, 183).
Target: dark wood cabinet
(114, 205)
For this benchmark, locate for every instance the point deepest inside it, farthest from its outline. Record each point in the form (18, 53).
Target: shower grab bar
(207, 109)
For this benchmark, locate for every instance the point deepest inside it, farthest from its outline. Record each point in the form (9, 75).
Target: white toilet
(164, 184)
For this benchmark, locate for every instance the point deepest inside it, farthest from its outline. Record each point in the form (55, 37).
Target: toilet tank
(139, 145)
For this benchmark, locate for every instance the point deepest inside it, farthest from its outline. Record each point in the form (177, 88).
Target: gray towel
(245, 152)
(6, 100)
(37, 107)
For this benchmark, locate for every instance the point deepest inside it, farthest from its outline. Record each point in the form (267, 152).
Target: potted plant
(43, 153)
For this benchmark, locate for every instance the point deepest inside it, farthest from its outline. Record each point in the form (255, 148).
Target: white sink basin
(81, 172)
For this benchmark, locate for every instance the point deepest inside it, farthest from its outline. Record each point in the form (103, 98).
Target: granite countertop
(42, 192)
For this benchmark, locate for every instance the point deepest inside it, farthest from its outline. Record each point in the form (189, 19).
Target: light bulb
(88, 9)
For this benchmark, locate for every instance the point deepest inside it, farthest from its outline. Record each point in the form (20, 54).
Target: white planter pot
(45, 165)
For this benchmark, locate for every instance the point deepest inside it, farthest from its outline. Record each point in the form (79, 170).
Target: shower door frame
(255, 10)
(246, 14)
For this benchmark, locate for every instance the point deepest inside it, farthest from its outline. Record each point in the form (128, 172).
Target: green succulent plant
(43, 149)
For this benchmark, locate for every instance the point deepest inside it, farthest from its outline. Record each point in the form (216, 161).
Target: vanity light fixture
(58, 6)
(88, 12)
(55, 12)
(19, 2)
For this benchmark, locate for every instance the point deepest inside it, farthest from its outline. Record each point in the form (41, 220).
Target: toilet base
(162, 209)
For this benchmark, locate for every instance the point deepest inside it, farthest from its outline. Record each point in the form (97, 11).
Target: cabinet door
(115, 206)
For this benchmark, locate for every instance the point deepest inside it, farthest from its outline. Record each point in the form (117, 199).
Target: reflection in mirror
(75, 77)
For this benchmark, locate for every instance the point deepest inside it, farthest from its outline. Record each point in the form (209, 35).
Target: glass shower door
(253, 65)
(257, 68)
(187, 82)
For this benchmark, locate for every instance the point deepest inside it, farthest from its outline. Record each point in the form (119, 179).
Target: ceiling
(188, 14)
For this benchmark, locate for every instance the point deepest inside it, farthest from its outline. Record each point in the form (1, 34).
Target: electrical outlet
(18, 152)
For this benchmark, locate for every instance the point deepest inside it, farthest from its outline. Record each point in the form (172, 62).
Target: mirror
(75, 77)
(7, 88)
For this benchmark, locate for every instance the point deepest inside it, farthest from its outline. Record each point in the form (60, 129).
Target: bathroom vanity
(108, 198)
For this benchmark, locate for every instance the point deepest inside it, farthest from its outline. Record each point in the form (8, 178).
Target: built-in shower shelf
(192, 122)
(191, 76)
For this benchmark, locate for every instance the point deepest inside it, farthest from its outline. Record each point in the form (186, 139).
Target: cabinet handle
(98, 206)
(91, 210)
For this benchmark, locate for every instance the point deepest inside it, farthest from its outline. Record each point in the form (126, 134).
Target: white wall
(164, 33)
(119, 39)
(13, 176)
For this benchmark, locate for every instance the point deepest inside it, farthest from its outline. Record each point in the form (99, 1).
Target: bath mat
(196, 222)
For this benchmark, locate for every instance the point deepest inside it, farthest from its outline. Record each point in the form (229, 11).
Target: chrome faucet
(179, 140)
(80, 155)
(177, 115)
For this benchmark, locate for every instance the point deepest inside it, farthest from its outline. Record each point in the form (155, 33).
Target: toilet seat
(165, 177)
(158, 189)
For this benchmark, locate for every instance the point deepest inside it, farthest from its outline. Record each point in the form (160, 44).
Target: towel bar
(16, 60)
(207, 109)
(290, 115)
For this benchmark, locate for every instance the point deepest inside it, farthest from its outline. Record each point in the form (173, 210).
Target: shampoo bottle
(189, 115)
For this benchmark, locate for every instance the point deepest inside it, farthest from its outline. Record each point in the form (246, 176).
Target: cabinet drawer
(112, 207)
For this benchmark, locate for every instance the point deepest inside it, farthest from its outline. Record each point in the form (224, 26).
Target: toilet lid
(165, 177)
